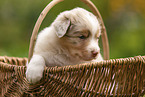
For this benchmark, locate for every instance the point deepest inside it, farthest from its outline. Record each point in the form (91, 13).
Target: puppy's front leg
(35, 69)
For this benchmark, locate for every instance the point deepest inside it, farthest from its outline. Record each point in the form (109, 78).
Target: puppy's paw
(34, 74)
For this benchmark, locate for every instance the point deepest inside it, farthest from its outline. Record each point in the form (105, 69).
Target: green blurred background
(124, 20)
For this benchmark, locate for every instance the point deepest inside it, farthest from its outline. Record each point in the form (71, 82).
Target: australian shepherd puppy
(71, 39)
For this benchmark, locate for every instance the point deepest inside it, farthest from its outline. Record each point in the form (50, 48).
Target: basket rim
(104, 63)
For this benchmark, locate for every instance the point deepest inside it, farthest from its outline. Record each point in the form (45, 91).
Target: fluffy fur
(71, 39)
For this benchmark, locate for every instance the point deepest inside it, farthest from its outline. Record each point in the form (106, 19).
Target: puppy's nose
(94, 53)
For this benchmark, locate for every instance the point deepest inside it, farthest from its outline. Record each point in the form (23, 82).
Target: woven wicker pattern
(116, 77)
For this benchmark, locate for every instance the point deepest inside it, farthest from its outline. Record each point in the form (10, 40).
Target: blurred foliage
(124, 20)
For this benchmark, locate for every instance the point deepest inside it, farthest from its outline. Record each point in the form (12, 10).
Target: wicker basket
(116, 77)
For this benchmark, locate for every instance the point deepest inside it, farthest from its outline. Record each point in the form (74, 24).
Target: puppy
(71, 39)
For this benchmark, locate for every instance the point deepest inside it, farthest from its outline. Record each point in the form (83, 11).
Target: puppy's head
(79, 31)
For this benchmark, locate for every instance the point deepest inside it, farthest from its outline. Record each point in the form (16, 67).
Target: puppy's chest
(60, 60)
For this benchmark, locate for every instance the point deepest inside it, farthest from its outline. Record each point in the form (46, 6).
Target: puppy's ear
(62, 27)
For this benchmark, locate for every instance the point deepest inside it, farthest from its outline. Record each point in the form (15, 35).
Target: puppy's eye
(82, 37)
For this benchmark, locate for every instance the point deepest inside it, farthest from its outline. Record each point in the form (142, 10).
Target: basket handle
(47, 9)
